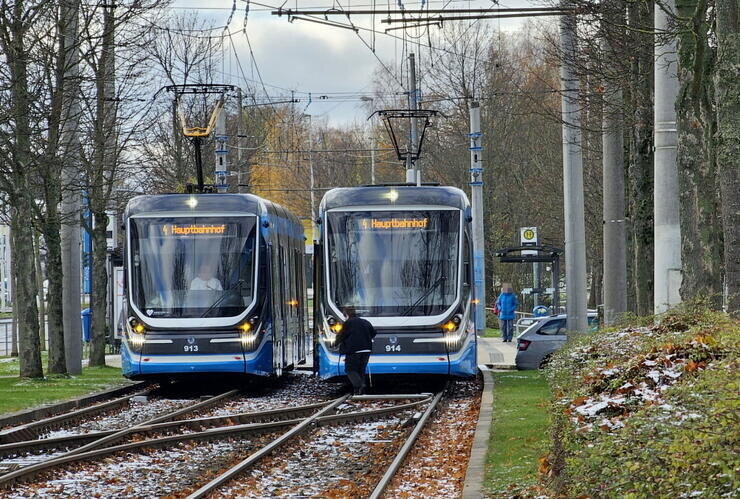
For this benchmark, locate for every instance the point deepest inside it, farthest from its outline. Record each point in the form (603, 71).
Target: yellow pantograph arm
(198, 131)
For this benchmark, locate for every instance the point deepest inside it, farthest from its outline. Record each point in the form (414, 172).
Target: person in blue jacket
(507, 305)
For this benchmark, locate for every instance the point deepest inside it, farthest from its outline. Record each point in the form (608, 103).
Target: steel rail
(28, 472)
(207, 422)
(117, 436)
(398, 461)
(31, 430)
(264, 451)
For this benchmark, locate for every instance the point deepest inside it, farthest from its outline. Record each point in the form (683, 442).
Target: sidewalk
(493, 352)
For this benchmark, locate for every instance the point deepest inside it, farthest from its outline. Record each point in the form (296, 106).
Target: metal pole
(372, 156)
(476, 188)
(575, 231)
(70, 206)
(667, 277)
(536, 282)
(198, 163)
(615, 232)
(411, 175)
(556, 284)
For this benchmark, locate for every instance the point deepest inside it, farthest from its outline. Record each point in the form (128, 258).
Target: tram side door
(284, 298)
(278, 327)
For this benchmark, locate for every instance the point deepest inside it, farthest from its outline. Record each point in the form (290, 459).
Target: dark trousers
(355, 365)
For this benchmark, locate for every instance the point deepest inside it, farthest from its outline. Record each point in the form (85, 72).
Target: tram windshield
(188, 267)
(394, 263)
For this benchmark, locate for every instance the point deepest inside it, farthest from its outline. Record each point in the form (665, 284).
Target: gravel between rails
(343, 460)
(291, 390)
(437, 464)
(134, 413)
(153, 473)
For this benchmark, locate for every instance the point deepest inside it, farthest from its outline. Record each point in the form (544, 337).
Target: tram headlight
(136, 332)
(452, 324)
(334, 325)
(248, 331)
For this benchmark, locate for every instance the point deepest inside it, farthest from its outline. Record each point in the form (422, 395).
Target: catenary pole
(615, 233)
(314, 232)
(70, 206)
(667, 271)
(575, 232)
(412, 177)
(476, 188)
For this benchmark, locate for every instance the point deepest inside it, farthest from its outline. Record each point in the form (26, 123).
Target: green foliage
(648, 410)
(519, 431)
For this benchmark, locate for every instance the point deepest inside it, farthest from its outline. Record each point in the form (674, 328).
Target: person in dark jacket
(356, 343)
(507, 305)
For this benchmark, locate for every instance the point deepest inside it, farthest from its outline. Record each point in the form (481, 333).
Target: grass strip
(17, 394)
(519, 434)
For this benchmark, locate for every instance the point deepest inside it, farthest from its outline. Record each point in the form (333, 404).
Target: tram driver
(206, 280)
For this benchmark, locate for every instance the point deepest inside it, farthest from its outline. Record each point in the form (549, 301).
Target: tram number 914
(190, 348)
(393, 348)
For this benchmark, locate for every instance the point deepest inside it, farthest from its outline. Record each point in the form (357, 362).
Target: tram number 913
(393, 348)
(190, 348)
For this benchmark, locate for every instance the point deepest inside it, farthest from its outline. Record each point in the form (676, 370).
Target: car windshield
(393, 263)
(192, 266)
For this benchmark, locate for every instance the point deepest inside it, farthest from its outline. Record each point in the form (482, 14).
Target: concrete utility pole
(615, 231)
(575, 231)
(476, 187)
(221, 153)
(372, 139)
(412, 176)
(239, 141)
(314, 232)
(667, 234)
(70, 209)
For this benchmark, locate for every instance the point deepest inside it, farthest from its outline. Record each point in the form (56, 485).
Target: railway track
(322, 418)
(83, 442)
(268, 431)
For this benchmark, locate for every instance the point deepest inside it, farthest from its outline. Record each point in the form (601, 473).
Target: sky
(308, 57)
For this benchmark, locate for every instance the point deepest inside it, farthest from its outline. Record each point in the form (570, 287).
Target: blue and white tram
(402, 256)
(214, 283)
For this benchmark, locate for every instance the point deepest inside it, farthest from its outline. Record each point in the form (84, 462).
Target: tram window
(187, 267)
(393, 263)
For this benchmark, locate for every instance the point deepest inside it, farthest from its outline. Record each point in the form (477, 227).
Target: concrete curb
(475, 473)
(45, 411)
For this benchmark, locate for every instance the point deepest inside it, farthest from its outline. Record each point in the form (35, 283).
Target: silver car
(538, 342)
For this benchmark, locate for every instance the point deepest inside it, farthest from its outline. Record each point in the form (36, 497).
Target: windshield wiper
(426, 293)
(221, 298)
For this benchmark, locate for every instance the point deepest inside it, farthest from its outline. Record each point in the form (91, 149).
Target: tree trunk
(99, 290)
(23, 203)
(14, 320)
(100, 178)
(727, 142)
(701, 235)
(40, 287)
(52, 228)
(641, 160)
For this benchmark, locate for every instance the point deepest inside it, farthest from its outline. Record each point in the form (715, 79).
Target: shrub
(647, 410)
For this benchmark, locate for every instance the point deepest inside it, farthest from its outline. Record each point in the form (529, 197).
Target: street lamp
(365, 98)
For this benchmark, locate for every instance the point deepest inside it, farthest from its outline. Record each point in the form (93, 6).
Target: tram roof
(206, 203)
(395, 194)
